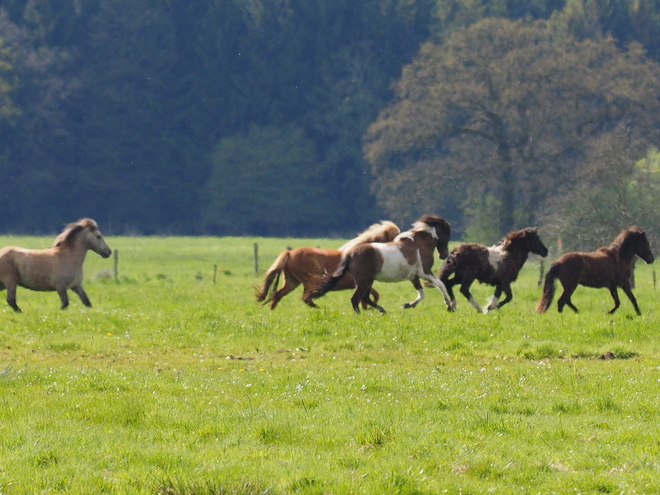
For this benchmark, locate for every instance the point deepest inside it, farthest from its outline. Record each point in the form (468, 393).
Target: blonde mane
(379, 232)
(71, 230)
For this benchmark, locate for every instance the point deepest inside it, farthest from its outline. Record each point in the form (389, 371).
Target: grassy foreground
(172, 384)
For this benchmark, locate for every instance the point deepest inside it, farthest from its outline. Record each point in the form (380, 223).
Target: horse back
(594, 269)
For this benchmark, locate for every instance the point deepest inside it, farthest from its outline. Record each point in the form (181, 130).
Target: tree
(504, 110)
(266, 182)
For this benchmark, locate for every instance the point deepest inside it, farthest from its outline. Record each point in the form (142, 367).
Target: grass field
(173, 384)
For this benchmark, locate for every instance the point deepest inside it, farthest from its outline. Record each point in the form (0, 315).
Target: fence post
(215, 272)
(116, 265)
(256, 258)
(541, 271)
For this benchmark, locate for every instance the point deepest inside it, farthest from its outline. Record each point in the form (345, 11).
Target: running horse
(56, 268)
(408, 257)
(607, 267)
(308, 266)
(497, 265)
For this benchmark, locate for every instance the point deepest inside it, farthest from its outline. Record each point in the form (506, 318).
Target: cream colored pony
(57, 268)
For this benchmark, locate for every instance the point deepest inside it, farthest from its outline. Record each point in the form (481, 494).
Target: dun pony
(408, 257)
(607, 267)
(498, 265)
(56, 268)
(308, 266)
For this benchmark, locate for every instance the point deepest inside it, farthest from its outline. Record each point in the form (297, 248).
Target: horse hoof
(407, 306)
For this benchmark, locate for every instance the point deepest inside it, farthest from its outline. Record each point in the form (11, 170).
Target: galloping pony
(56, 268)
(308, 266)
(498, 266)
(408, 257)
(607, 267)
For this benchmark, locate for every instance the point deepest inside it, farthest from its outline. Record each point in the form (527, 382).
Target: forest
(320, 117)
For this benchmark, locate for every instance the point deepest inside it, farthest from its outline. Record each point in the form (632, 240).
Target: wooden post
(541, 271)
(653, 278)
(215, 272)
(256, 258)
(117, 265)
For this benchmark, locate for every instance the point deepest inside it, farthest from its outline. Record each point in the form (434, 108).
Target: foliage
(619, 192)
(172, 383)
(506, 109)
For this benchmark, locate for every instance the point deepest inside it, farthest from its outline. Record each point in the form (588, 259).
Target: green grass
(172, 384)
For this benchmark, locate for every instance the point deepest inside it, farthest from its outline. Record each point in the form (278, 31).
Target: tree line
(319, 117)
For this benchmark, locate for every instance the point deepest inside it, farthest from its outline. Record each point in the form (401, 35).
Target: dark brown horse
(56, 268)
(498, 265)
(607, 267)
(408, 257)
(308, 266)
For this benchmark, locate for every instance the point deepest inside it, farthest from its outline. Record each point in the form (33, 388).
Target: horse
(497, 265)
(308, 266)
(56, 268)
(408, 257)
(606, 267)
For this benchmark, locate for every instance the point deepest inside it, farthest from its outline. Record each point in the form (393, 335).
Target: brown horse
(308, 266)
(498, 265)
(57, 268)
(408, 257)
(607, 267)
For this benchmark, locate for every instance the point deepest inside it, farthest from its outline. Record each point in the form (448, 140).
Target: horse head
(529, 238)
(92, 238)
(642, 246)
(442, 233)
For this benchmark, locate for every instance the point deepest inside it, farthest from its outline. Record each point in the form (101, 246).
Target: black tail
(548, 288)
(330, 282)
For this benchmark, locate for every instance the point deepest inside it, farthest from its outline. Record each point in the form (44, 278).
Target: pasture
(171, 384)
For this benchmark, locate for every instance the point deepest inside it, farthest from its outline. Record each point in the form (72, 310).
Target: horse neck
(517, 255)
(75, 250)
(625, 253)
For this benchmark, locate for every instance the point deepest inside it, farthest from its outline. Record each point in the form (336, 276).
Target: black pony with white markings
(497, 265)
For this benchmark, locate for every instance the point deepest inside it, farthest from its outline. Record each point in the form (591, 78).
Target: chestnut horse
(498, 265)
(607, 267)
(308, 266)
(56, 268)
(408, 257)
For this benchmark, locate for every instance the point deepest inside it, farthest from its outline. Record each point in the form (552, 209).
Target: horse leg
(11, 297)
(307, 296)
(449, 285)
(465, 290)
(508, 296)
(361, 295)
(631, 296)
(494, 299)
(615, 295)
(420, 294)
(82, 295)
(289, 285)
(441, 286)
(64, 298)
(374, 297)
(565, 299)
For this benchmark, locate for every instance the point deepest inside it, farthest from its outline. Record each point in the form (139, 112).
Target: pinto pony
(408, 257)
(308, 266)
(56, 268)
(607, 267)
(498, 265)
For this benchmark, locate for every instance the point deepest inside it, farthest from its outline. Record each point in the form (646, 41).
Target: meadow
(175, 383)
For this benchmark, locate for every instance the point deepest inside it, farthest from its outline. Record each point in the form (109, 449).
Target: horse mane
(623, 241)
(73, 229)
(516, 235)
(374, 233)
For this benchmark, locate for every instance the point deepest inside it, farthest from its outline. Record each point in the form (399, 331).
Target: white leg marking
(420, 296)
(474, 303)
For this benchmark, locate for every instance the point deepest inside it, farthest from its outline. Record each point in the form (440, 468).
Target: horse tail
(265, 292)
(330, 282)
(548, 288)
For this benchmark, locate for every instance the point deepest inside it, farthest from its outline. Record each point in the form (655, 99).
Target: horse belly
(396, 268)
(36, 272)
